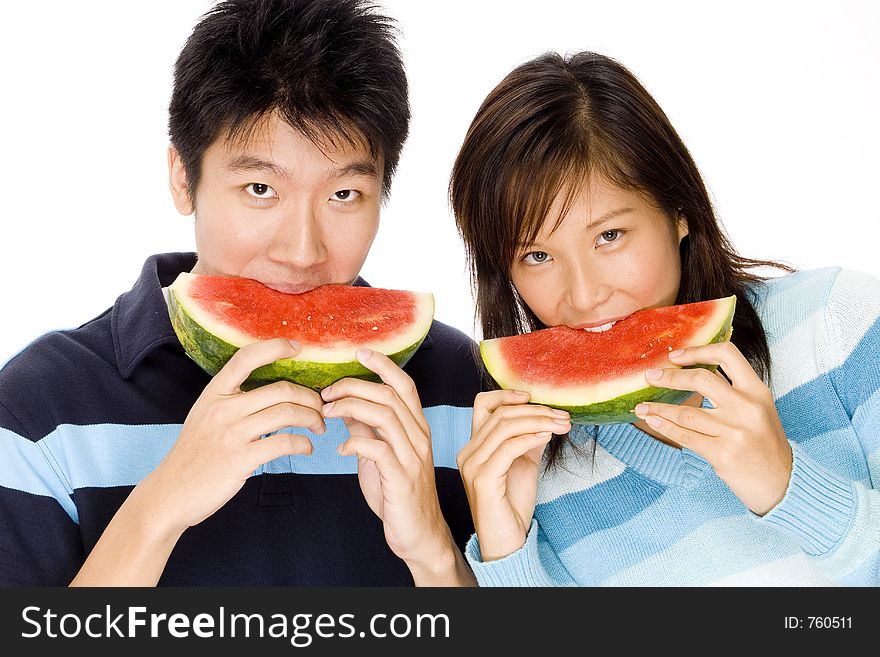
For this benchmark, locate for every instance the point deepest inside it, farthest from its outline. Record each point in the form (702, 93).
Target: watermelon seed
(284, 322)
(375, 328)
(331, 316)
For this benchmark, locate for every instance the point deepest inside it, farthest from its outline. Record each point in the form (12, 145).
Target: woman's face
(613, 254)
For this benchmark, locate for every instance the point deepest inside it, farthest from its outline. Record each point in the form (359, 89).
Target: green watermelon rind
(212, 353)
(619, 410)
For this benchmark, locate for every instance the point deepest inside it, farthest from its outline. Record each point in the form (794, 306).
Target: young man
(123, 463)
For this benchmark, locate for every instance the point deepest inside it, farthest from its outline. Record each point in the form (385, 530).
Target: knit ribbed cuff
(818, 507)
(520, 568)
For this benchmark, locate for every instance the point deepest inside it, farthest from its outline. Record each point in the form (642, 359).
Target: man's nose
(299, 240)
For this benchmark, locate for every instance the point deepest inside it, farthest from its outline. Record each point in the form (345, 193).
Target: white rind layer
(339, 352)
(581, 395)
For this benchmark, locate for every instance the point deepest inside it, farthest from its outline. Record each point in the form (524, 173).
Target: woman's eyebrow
(608, 216)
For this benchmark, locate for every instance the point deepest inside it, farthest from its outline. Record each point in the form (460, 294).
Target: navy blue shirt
(86, 414)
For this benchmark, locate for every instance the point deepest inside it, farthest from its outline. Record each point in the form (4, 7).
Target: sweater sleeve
(835, 519)
(531, 565)
(40, 544)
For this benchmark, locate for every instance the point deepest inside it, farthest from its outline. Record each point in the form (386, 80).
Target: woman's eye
(608, 236)
(536, 257)
(345, 195)
(260, 190)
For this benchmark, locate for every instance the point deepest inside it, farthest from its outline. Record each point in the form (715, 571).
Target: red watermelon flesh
(214, 316)
(599, 377)
(327, 315)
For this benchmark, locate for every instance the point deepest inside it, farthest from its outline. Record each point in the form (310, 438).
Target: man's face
(277, 209)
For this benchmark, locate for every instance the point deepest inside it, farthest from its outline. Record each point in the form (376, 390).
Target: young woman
(579, 205)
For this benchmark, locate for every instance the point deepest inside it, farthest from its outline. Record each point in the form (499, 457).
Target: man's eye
(345, 195)
(260, 190)
(536, 257)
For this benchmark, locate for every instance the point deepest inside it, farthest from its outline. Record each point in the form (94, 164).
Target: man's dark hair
(329, 68)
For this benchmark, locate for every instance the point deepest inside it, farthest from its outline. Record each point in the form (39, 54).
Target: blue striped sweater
(637, 512)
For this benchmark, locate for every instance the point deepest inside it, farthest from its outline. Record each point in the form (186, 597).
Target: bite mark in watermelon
(600, 377)
(214, 316)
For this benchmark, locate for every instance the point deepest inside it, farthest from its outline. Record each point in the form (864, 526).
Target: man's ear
(681, 226)
(178, 183)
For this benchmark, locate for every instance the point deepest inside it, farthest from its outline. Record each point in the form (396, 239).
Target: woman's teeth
(600, 329)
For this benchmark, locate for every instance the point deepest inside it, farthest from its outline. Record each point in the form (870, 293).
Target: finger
(277, 393)
(279, 416)
(377, 451)
(282, 444)
(244, 361)
(723, 354)
(696, 379)
(384, 395)
(511, 427)
(382, 419)
(392, 375)
(506, 414)
(688, 417)
(499, 463)
(486, 403)
(695, 441)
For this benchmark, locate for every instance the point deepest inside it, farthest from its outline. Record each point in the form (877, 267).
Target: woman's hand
(499, 466)
(742, 437)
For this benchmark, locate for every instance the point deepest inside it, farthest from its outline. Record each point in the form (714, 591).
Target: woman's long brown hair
(540, 133)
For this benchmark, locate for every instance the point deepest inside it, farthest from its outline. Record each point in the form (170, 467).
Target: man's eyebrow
(251, 163)
(245, 162)
(361, 168)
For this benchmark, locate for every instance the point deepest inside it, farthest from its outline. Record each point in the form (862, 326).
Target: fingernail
(329, 407)
(340, 450)
(326, 392)
(560, 412)
(676, 353)
(653, 421)
(641, 409)
(561, 422)
(363, 354)
(653, 374)
(544, 434)
(293, 343)
(521, 393)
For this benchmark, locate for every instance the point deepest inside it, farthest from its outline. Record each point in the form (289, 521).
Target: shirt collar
(139, 321)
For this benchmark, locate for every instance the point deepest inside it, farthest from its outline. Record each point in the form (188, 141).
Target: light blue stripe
(598, 507)
(867, 574)
(858, 378)
(866, 422)
(805, 285)
(836, 450)
(811, 409)
(674, 515)
(104, 455)
(25, 467)
(716, 549)
(798, 295)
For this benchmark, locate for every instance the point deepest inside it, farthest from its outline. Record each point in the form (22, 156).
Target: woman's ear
(178, 183)
(681, 226)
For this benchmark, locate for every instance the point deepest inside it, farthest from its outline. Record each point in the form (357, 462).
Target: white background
(777, 101)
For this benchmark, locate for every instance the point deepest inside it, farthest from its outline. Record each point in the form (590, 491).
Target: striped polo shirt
(86, 414)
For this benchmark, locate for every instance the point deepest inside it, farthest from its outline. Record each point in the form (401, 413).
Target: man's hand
(392, 440)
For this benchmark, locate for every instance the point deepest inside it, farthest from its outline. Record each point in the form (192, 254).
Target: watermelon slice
(600, 377)
(214, 316)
